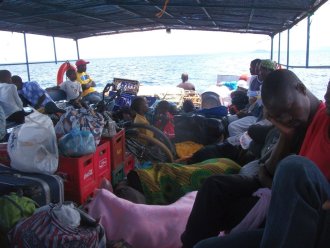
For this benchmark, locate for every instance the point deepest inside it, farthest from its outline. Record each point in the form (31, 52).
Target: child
(73, 89)
(164, 120)
(140, 107)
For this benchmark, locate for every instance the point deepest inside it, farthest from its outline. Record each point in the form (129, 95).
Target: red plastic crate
(129, 163)
(4, 157)
(117, 149)
(102, 162)
(79, 177)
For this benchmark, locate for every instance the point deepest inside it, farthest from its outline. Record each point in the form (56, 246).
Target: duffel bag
(58, 226)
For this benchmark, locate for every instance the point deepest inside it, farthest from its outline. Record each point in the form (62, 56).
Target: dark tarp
(85, 18)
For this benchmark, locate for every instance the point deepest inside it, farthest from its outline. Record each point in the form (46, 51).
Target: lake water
(166, 70)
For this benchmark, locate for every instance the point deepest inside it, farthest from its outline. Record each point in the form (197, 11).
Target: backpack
(46, 229)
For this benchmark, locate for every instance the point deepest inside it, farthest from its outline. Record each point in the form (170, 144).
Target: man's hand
(326, 205)
(241, 114)
(287, 131)
(92, 84)
(264, 178)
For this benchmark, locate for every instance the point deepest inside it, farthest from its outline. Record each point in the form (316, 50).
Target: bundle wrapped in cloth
(141, 225)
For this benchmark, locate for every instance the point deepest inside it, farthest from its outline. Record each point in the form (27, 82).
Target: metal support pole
(308, 37)
(26, 57)
(77, 46)
(271, 46)
(279, 49)
(54, 50)
(288, 50)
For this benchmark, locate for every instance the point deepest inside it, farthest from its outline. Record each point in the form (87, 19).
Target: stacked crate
(79, 177)
(117, 148)
(82, 175)
(129, 163)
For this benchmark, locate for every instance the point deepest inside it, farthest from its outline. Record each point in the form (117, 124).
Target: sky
(158, 43)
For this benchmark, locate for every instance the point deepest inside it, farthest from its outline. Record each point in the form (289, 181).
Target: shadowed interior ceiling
(85, 18)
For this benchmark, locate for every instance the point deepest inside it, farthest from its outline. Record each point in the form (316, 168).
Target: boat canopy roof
(78, 19)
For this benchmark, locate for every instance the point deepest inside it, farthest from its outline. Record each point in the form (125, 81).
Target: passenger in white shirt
(73, 89)
(2, 124)
(9, 99)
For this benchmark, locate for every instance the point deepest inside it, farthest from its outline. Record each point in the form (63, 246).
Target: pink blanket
(139, 224)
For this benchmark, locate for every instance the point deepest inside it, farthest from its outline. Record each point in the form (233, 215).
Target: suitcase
(42, 188)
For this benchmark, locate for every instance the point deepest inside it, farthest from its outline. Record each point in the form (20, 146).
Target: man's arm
(88, 85)
(17, 99)
(92, 83)
(326, 205)
(281, 150)
(54, 87)
(40, 101)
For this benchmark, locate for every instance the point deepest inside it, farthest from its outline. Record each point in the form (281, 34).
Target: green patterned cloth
(164, 183)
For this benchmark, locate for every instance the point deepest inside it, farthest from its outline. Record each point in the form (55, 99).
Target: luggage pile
(40, 187)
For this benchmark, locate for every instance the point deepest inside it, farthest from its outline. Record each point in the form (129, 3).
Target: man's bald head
(281, 86)
(184, 77)
(285, 98)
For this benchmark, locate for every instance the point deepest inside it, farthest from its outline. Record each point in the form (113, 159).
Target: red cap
(81, 62)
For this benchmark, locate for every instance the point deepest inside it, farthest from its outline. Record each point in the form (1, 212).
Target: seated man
(255, 82)
(89, 94)
(238, 127)
(299, 209)
(185, 84)
(36, 96)
(3, 130)
(224, 200)
(9, 99)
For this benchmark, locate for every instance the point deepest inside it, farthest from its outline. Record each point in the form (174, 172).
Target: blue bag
(77, 143)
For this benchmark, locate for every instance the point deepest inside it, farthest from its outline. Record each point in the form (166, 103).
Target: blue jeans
(295, 217)
(93, 97)
(248, 239)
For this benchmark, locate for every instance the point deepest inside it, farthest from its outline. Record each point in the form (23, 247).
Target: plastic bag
(13, 208)
(109, 129)
(32, 146)
(77, 143)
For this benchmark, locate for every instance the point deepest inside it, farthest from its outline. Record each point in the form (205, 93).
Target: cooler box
(102, 162)
(79, 177)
